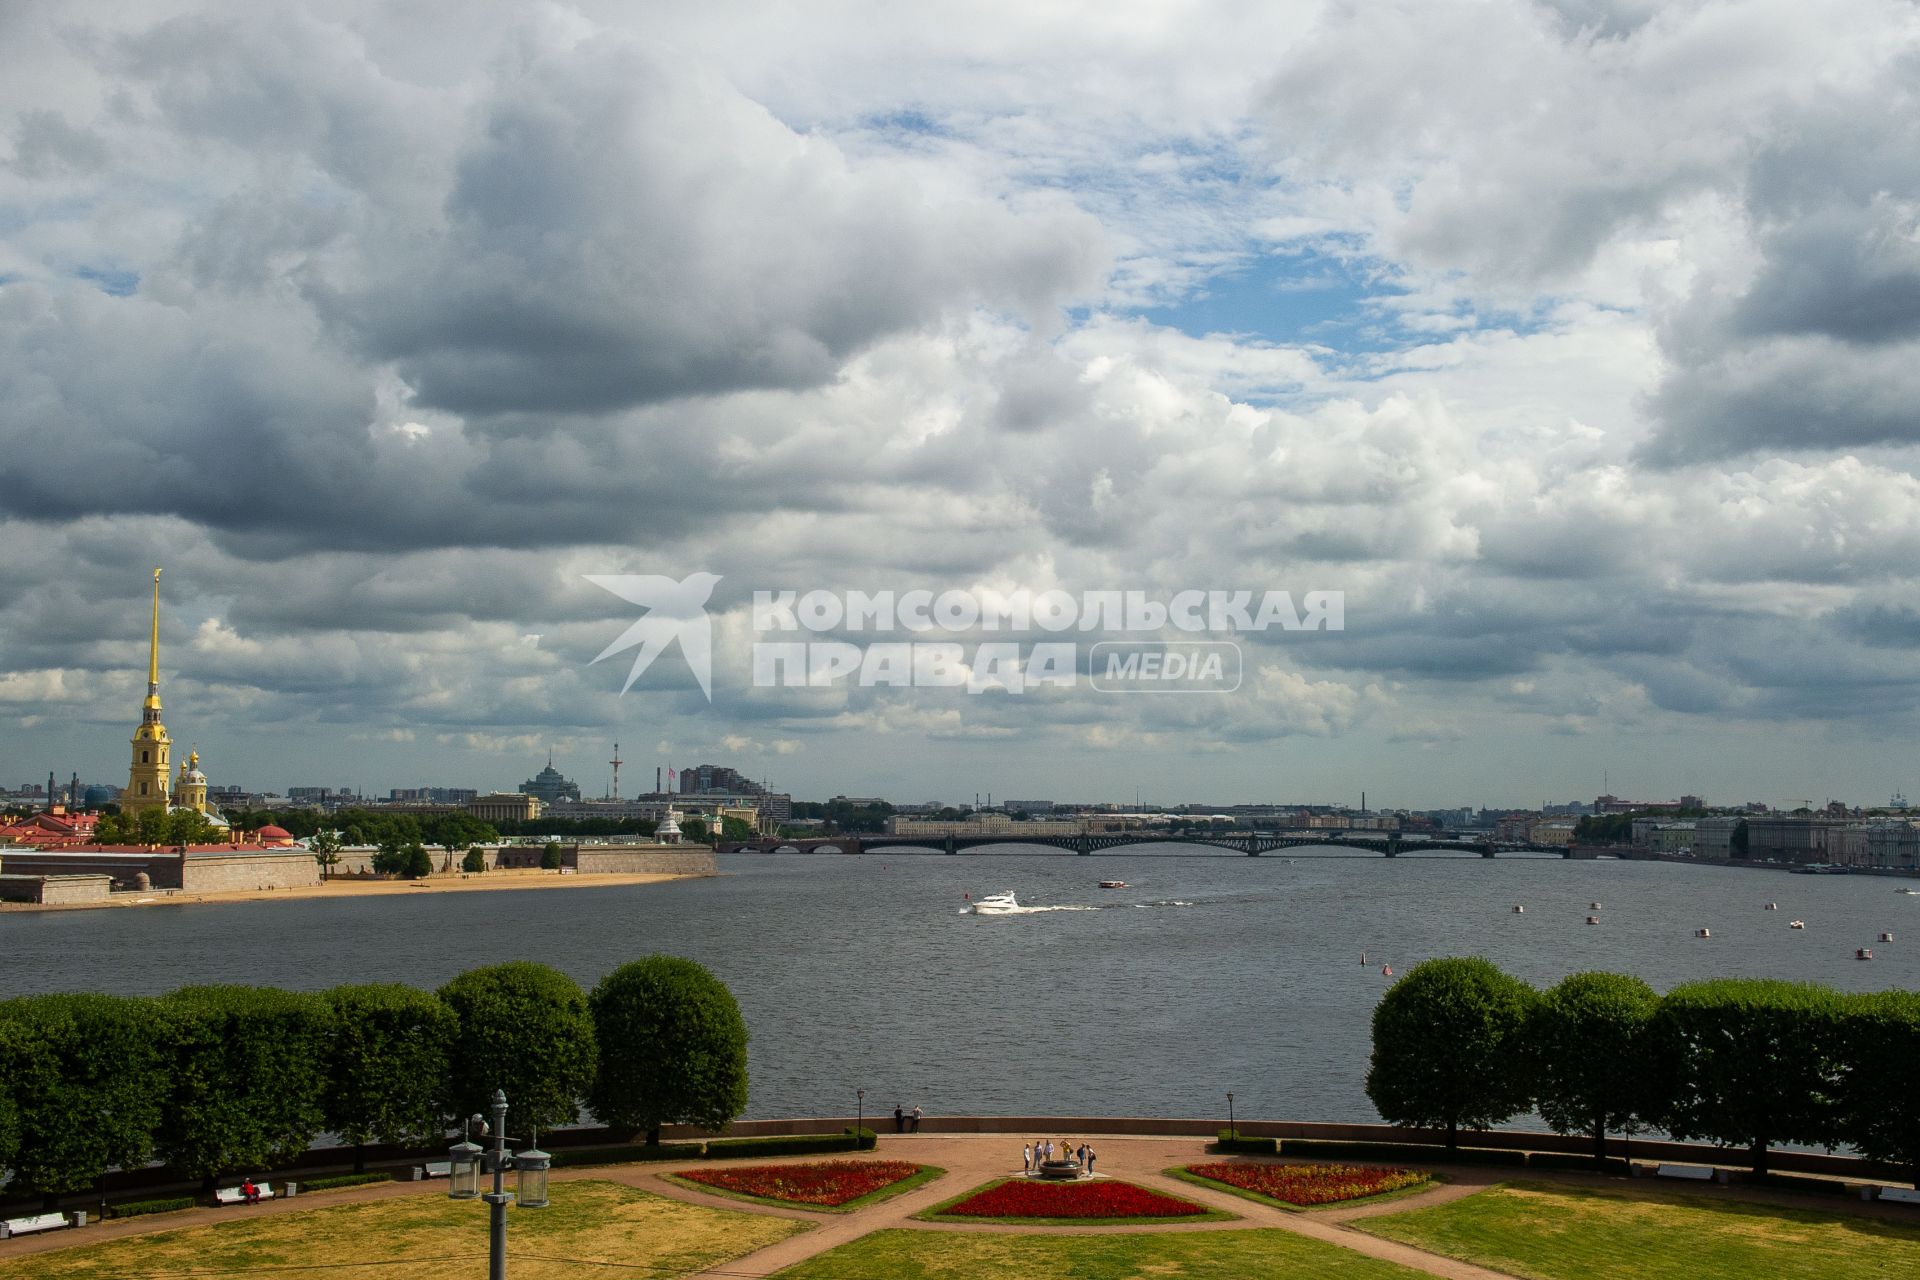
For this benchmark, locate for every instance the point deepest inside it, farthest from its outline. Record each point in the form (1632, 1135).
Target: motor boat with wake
(997, 904)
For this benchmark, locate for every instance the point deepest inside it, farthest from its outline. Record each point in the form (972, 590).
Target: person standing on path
(899, 1119)
(1089, 1158)
(917, 1113)
(1026, 1160)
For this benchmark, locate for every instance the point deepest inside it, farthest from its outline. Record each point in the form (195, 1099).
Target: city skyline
(1569, 341)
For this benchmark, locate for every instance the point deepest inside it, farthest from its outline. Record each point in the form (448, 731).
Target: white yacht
(997, 904)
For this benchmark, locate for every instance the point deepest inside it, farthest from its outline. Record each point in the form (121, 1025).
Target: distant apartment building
(1713, 837)
(1790, 838)
(1027, 806)
(1888, 843)
(432, 795)
(1614, 804)
(1555, 831)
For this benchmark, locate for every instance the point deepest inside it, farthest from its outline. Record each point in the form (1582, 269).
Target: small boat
(1886, 936)
(1863, 954)
(1771, 906)
(1113, 884)
(1796, 924)
(1907, 890)
(996, 904)
(1519, 910)
(1593, 919)
(1703, 933)
(1386, 971)
(1593, 906)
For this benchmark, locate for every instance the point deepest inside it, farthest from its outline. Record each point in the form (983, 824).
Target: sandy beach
(458, 883)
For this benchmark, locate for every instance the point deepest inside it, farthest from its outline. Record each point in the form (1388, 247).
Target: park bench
(1696, 1172)
(238, 1195)
(27, 1226)
(435, 1169)
(1901, 1195)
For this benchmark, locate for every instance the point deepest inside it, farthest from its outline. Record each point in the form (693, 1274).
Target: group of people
(1034, 1154)
(903, 1119)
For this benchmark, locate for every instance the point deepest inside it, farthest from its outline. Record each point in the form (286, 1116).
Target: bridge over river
(1252, 844)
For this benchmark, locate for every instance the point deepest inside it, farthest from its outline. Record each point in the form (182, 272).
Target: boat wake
(1005, 904)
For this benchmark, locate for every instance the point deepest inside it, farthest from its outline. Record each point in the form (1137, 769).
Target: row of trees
(156, 827)
(219, 1079)
(1742, 1062)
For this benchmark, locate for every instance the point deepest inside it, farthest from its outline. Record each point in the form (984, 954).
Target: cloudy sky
(1576, 341)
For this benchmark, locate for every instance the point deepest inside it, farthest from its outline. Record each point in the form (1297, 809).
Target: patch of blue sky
(1290, 299)
(117, 281)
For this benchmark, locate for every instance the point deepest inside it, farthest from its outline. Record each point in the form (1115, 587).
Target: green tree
(476, 860)
(524, 1028)
(388, 1064)
(151, 826)
(248, 1067)
(694, 830)
(326, 851)
(188, 826)
(736, 829)
(550, 857)
(88, 1083)
(1448, 1047)
(1585, 1041)
(400, 856)
(673, 1048)
(1878, 1043)
(15, 1065)
(1748, 1062)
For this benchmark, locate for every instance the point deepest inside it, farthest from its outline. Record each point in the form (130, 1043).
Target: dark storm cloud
(621, 230)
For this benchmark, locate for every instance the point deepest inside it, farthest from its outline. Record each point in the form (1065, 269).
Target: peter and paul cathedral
(148, 784)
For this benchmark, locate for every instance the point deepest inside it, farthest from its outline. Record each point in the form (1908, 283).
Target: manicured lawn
(809, 1186)
(1093, 1203)
(1193, 1255)
(429, 1237)
(1304, 1186)
(1563, 1233)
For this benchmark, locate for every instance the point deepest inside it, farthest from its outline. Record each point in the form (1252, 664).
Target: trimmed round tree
(524, 1028)
(1585, 1038)
(88, 1082)
(673, 1048)
(248, 1069)
(1449, 1047)
(1878, 1042)
(387, 1072)
(1747, 1062)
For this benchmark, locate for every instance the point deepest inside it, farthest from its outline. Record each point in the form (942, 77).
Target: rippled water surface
(1206, 974)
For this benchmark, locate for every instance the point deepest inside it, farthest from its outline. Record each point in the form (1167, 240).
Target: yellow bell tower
(147, 783)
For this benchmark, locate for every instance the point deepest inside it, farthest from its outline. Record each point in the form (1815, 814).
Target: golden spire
(153, 650)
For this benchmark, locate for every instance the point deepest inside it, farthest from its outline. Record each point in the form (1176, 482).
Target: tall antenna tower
(616, 762)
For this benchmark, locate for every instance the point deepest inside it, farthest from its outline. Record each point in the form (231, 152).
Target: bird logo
(675, 610)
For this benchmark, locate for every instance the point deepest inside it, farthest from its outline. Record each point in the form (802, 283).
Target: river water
(1208, 973)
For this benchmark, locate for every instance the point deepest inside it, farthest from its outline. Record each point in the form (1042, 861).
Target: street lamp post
(467, 1160)
(1232, 1132)
(860, 1116)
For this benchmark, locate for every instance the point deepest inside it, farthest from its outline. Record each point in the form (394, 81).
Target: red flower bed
(1019, 1199)
(1309, 1184)
(827, 1182)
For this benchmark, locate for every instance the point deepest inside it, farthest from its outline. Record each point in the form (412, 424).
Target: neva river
(1207, 974)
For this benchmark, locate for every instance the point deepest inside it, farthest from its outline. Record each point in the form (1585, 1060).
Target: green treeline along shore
(1458, 1044)
(225, 1079)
